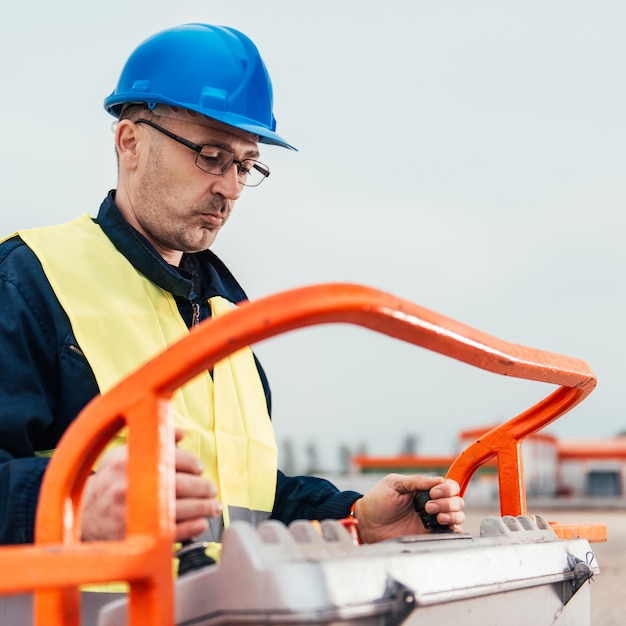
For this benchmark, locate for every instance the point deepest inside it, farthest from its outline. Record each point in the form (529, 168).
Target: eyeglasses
(217, 161)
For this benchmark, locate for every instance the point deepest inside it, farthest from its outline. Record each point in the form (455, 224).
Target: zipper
(72, 348)
(195, 316)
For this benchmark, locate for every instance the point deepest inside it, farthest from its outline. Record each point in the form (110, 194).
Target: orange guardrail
(59, 561)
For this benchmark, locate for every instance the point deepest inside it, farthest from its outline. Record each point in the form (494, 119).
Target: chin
(203, 244)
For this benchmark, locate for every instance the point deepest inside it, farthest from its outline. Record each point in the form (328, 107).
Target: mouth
(212, 220)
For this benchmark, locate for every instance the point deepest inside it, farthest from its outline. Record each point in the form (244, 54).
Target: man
(85, 303)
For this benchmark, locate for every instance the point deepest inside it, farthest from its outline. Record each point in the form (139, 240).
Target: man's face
(177, 206)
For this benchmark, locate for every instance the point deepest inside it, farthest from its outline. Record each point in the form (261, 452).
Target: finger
(451, 519)
(445, 505)
(445, 489)
(410, 483)
(193, 486)
(189, 529)
(179, 434)
(187, 462)
(189, 509)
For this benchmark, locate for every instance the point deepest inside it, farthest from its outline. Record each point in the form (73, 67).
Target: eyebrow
(251, 154)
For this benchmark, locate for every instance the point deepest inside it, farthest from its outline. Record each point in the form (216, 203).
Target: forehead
(218, 128)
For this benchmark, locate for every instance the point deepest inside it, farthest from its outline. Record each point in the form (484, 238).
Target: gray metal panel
(516, 572)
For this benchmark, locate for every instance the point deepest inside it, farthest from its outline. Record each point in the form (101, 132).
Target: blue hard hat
(213, 70)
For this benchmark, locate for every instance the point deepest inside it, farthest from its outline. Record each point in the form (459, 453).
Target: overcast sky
(468, 156)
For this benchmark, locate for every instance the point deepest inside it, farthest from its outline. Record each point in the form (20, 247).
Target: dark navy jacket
(45, 380)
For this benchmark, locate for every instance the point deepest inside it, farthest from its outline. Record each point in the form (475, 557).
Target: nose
(227, 184)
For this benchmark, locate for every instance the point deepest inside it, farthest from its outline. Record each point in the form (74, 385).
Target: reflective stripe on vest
(121, 319)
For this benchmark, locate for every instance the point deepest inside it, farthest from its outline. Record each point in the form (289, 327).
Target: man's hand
(196, 497)
(386, 511)
(104, 498)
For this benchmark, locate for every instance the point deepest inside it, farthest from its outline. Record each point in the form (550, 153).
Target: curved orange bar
(140, 402)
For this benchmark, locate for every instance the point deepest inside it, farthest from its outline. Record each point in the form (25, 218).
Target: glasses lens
(217, 161)
(252, 173)
(214, 160)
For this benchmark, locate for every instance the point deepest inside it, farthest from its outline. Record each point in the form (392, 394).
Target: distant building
(592, 467)
(552, 467)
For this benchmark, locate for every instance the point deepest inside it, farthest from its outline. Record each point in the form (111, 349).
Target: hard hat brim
(114, 104)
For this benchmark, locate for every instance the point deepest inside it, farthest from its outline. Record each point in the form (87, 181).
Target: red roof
(614, 448)
(405, 462)
(477, 433)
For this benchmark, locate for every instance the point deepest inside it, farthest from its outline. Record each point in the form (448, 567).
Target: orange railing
(59, 561)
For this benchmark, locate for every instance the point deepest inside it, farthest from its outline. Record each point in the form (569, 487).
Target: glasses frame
(261, 168)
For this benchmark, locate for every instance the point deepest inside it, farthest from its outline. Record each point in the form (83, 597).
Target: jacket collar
(201, 275)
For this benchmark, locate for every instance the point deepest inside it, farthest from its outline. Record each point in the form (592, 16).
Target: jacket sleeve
(35, 408)
(21, 405)
(308, 497)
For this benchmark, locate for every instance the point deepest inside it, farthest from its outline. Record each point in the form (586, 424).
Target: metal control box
(517, 572)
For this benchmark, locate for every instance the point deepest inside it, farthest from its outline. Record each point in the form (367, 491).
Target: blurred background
(466, 156)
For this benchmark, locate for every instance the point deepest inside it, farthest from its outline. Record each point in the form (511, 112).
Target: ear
(127, 144)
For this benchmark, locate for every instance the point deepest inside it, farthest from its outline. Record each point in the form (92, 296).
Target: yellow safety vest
(121, 319)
